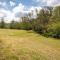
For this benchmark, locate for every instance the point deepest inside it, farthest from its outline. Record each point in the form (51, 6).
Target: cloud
(49, 2)
(52, 2)
(7, 15)
(1, 14)
(32, 8)
(18, 8)
(12, 3)
(3, 3)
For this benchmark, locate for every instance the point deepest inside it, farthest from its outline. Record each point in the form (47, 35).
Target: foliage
(47, 22)
(2, 23)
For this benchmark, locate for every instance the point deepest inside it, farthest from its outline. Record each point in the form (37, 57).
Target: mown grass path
(27, 45)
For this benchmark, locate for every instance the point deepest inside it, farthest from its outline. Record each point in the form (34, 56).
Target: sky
(14, 9)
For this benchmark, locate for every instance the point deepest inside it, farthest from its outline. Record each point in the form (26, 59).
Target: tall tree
(41, 21)
(54, 24)
(12, 24)
(2, 24)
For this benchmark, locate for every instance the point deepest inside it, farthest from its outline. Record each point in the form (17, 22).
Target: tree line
(47, 22)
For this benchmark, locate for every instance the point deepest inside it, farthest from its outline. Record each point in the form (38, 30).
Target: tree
(54, 24)
(41, 21)
(2, 24)
(14, 25)
(26, 23)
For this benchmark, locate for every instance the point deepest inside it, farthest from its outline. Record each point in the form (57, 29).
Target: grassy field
(27, 45)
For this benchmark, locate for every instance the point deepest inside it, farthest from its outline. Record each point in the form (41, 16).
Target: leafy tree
(2, 24)
(14, 25)
(41, 21)
(54, 24)
(26, 23)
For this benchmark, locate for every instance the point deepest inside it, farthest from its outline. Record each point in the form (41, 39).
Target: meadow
(27, 45)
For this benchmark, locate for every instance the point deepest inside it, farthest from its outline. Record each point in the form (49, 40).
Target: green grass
(27, 45)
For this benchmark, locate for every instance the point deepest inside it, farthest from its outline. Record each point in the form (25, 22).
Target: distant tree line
(47, 22)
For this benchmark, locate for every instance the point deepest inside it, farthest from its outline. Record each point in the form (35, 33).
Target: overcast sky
(14, 9)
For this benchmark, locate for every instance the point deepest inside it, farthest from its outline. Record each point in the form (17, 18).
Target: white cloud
(8, 15)
(3, 3)
(1, 14)
(34, 9)
(49, 2)
(11, 15)
(19, 8)
(52, 2)
(12, 3)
